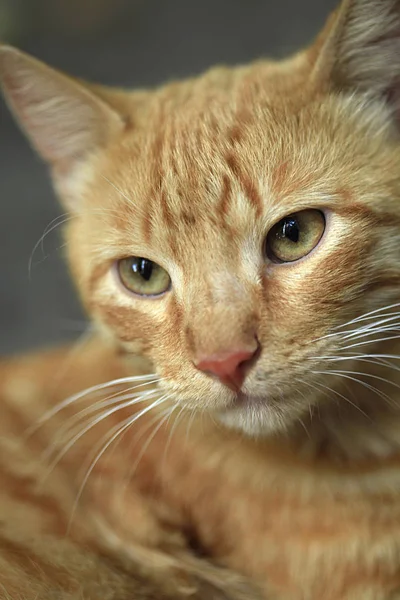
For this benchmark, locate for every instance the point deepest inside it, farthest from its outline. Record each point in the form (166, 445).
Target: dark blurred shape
(66, 18)
(12, 20)
(121, 42)
(89, 18)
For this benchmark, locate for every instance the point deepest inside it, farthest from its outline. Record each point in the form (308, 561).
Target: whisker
(371, 359)
(309, 409)
(69, 426)
(363, 383)
(364, 317)
(368, 314)
(148, 379)
(370, 375)
(138, 209)
(385, 339)
(339, 394)
(58, 221)
(126, 424)
(193, 414)
(371, 331)
(117, 189)
(387, 324)
(304, 427)
(110, 400)
(135, 439)
(392, 356)
(314, 387)
(355, 356)
(151, 437)
(385, 363)
(92, 424)
(171, 433)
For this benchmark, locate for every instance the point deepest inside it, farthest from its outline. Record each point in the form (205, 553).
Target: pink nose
(230, 368)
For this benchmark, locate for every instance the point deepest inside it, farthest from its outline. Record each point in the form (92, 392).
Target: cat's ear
(63, 119)
(359, 49)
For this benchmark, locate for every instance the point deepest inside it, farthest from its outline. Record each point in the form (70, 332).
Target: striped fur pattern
(158, 472)
(67, 536)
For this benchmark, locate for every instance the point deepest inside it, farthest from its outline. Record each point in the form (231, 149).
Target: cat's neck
(363, 425)
(359, 421)
(348, 437)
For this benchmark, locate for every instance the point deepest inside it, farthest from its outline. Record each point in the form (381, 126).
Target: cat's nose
(230, 367)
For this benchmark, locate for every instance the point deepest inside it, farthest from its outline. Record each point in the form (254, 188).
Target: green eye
(143, 276)
(295, 236)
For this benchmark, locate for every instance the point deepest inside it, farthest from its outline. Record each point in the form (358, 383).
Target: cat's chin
(256, 418)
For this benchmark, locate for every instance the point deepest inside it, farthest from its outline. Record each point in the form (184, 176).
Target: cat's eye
(143, 276)
(295, 236)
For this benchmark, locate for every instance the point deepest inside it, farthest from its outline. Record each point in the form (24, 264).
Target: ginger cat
(232, 427)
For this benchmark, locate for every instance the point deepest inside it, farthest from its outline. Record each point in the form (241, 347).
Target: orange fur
(294, 483)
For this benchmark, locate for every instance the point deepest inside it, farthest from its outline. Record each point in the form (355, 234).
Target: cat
(231, 429)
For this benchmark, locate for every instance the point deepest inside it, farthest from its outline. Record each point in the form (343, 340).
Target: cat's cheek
(131, 332)
(128, 325)
(134, 347)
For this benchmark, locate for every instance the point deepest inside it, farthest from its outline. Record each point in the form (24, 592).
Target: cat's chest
(291, 531)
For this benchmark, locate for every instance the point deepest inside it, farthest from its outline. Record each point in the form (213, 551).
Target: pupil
(143, 267)
(290, 230)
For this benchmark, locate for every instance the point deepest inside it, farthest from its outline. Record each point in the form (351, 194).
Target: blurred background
(121, 42)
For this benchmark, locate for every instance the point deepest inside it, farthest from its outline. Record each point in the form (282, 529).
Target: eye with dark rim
(295, 236)
(143, 276)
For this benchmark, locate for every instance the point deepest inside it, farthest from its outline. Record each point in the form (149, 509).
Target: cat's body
(290, 518)
(112, 539)
(240, 233)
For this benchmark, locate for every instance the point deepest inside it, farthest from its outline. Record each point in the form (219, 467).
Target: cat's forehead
(198, 138)
(235, 124)
(209, 159)
(201, 155)
(218, 107)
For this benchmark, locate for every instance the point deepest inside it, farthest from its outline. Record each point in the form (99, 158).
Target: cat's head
(229, 226)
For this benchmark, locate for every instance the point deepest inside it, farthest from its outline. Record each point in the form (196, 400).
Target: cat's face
(231, 227)
(199, 192)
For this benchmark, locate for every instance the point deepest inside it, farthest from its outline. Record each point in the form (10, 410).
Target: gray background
(123, 42)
